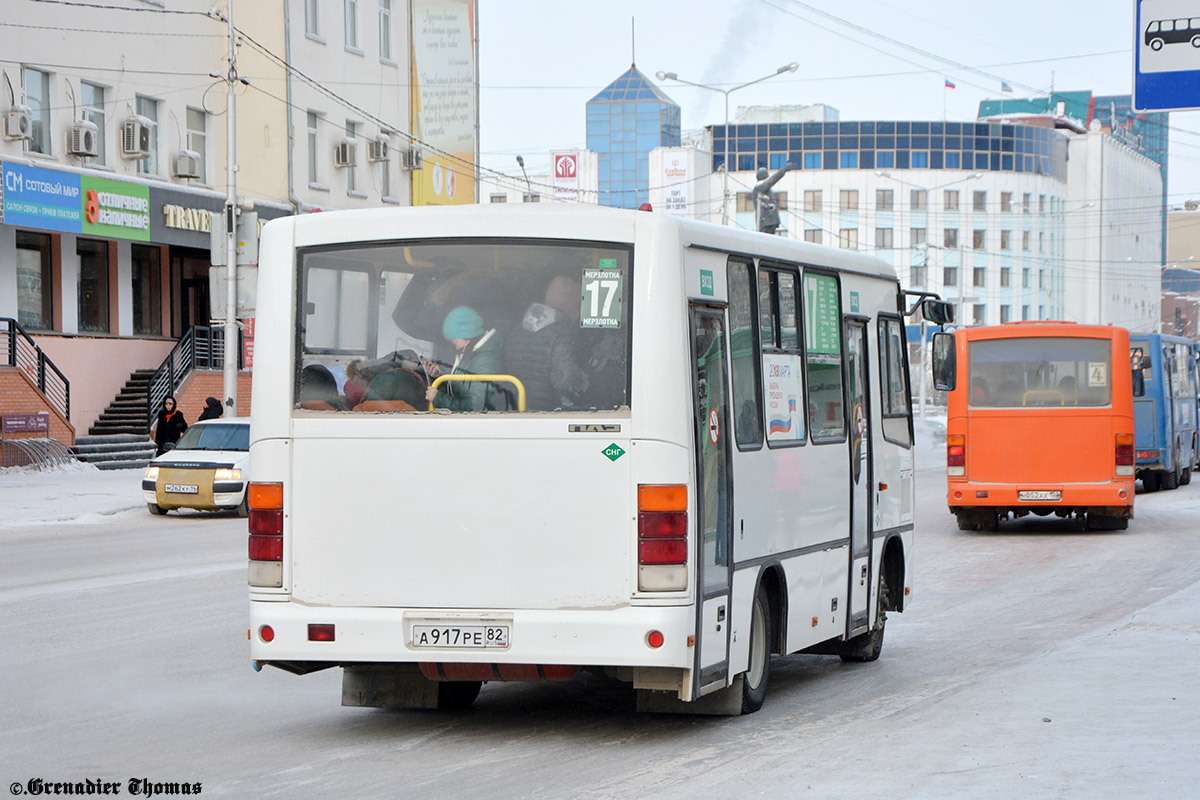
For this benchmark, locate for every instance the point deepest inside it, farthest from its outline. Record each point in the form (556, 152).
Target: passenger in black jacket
(170, 425)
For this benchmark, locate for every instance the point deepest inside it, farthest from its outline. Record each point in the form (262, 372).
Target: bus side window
(823, 347)
(743, 358)
(1137, 364)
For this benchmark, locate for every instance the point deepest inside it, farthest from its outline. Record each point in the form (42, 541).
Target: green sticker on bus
(854, 302)
(706, 282)
(613, 452)
(600, 303)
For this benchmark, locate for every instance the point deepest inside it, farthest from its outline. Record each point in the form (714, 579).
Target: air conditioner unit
(377, 149)
(84, 139)
(187, 165)
(135, 137)
(346, 153)
(412, 158)
(18, 124)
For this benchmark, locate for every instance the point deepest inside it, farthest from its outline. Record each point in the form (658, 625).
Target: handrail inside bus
(439, 380)
(416, 262)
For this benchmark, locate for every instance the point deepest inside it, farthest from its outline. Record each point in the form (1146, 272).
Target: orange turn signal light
(265, 495)
(1125, 438)
(672, 497)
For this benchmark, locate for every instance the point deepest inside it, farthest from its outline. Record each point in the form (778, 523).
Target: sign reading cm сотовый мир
(63, 201)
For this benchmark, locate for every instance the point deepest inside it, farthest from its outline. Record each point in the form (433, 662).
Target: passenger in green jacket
(476, 352)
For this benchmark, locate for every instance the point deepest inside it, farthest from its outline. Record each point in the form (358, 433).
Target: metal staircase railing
(202, 347)
(20, 351)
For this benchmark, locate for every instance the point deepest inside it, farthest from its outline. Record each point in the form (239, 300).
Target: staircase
(126, 414)
(114, 451)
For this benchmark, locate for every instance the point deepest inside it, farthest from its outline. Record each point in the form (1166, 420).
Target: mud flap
(725, 702)
(391, 686)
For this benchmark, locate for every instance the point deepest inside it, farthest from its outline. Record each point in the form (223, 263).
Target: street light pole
(671, 76)
(528, 185)
(231, 326)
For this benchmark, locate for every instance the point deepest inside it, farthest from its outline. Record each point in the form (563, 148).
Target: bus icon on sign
(1172, 31)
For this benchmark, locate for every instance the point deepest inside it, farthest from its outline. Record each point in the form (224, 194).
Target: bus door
(861, 513)
(713, 499)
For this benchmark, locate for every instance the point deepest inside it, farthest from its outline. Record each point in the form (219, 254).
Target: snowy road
(1038, 661)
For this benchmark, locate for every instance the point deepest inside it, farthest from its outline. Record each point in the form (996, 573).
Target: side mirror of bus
(939, 312)
(944, 361)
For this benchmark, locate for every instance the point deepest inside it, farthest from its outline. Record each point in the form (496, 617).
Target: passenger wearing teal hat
(477, 351)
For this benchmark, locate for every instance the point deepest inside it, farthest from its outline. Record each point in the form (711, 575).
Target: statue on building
(766, 207)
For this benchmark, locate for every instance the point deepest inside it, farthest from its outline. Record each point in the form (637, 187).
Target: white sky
(542, 60)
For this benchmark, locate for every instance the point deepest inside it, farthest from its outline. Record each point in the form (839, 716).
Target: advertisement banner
(675, 184)
(42, 198)
(444, 96)
(566, 177)
(114, 209)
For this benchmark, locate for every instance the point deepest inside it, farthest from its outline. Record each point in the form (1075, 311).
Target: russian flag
(1004, 87)
(950, 84)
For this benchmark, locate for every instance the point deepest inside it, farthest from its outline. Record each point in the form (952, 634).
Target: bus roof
(1028, 329)
(564, 221)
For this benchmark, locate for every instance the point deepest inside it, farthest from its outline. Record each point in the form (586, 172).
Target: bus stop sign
(1166, 55)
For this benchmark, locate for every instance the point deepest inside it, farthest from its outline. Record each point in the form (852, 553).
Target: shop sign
(187, 219)
(41, 198)
(115, 209)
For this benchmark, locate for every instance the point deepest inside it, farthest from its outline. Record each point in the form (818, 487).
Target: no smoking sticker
(714, 428)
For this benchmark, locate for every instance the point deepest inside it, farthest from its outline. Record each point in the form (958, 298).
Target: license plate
(1039, 495)
(471, 636)
(181, 488)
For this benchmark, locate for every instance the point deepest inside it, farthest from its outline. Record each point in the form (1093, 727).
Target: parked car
(206, 470)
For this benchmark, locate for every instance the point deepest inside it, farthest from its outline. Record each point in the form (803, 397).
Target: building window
(883, 238)
(499, 198)
(848, 238)
(148, 108)
(1006, 201)
(1005, 314)
(812, 160)
(351, 24)
(919, 199)
(197, 139)
(147, 289)
(37, 97)
(1041, 312)
(885, 159)
(1025, 202)
(953, 159)
(1025, 241)
(979, 276)
(812, 200)
(1041, 241)
(781, 201)
(919, 275)
(385, 30)
(848, 160)
(979, 239)
(93, 285)
(950, 200)
(884, 199)
(1025, 278)
(1005, 240)
(742, 204)
(312, 21)
(950, 276)
(920, 159)
(1041, 279)
(812, 235)
(848, 200)
(917, 237)
(1041, 204)
(91, 97)
(530, 198)
(1006, 276)
(977, 314)
(312, 146)
(352, 171)
(950, 238)
(34, 294)
(980, 203)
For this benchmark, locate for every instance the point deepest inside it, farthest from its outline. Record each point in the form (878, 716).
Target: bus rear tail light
(266, 533)
(662, 538)
(956, 455)
(1124, 455)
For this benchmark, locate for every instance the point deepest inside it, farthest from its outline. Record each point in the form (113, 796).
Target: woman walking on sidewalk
(170, 425)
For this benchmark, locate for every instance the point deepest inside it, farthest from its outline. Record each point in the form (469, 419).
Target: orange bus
(1039, 421)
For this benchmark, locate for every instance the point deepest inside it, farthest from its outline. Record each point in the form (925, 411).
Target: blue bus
(1164, 409)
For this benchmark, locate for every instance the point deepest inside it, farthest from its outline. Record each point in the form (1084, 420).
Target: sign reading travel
(1166, 55)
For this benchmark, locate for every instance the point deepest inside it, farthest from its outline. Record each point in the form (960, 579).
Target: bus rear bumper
(1112, 498)
(618, 637)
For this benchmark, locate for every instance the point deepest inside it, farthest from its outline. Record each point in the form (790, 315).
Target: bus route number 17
(601, 300)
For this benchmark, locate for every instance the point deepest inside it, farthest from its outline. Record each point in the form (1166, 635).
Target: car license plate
(472, 636)
(1039, 495)
(182, 488)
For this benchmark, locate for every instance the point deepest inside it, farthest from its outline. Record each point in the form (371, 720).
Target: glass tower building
(625, 121)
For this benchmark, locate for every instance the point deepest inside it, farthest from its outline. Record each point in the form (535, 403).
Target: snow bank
(71, 494)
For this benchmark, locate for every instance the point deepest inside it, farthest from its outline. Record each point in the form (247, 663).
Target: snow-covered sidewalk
(75, 494)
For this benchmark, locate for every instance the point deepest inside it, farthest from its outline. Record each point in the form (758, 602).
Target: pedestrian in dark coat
(212, 409)
(170, 425)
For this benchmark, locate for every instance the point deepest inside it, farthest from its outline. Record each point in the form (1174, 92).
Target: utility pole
(231, 214)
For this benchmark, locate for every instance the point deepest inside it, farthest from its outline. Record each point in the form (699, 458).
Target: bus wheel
(1185, 477)
(964, 523)
(1156, 45)
(457, 695)
(754, 682)
(867, 646)
(1170, 478)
